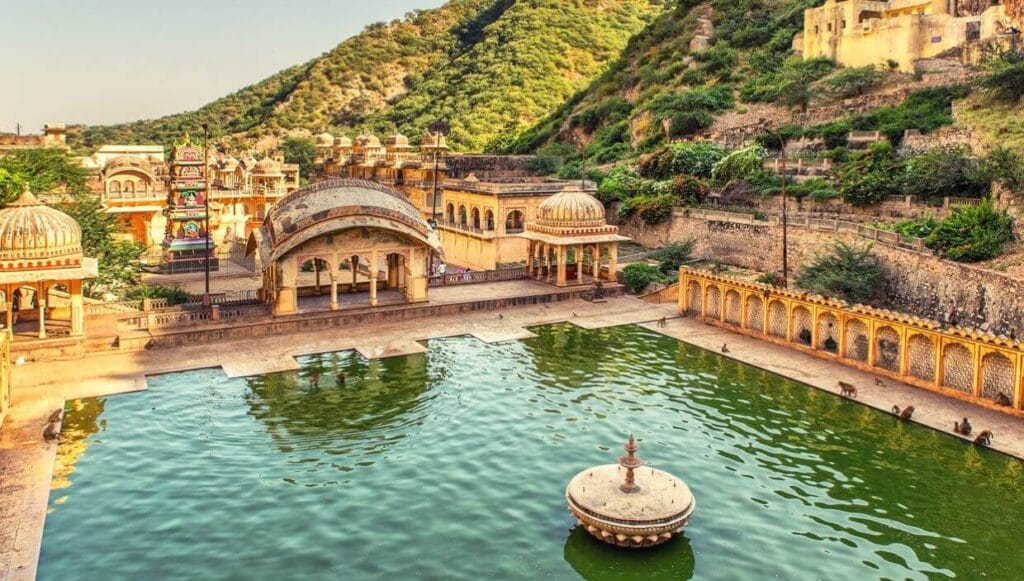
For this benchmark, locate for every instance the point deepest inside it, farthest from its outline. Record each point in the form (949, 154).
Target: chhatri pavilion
(355, 236)
(570, 238)
(41, 269)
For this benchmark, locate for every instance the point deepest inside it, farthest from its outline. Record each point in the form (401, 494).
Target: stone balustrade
(964, 363)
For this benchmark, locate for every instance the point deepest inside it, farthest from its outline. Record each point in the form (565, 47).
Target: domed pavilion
(42, 268)
(570, 240)
(358, 237)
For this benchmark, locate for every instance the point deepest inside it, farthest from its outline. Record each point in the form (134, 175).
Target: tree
(867, 177)
(674, 255)
(844, 271)
(53, 171)
(301, 151)
(1005, 166)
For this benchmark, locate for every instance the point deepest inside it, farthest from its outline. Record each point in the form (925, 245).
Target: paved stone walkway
(26, 463)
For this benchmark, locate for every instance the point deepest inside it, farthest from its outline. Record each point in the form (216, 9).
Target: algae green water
(452, 465)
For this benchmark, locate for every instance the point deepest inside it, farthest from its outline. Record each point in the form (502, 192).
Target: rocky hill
(489, 67)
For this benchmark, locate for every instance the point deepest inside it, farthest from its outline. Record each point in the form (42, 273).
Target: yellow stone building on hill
(858, 33)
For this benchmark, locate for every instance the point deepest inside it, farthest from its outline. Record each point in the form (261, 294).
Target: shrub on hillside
(854, 81)
(692, 158)
(848, 272)
(652, 209)
(1005, 79)
(689, 123)
(869, 176)
(739, 165)
(620, 184)
(1006, 167)
(972, 233)
(942, 172)
(688, 190)
(542, 165)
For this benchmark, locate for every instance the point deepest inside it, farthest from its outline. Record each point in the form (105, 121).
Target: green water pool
(452, 465)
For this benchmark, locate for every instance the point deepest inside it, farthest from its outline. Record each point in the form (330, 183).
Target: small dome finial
(26, 198)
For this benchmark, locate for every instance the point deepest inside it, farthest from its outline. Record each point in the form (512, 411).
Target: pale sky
(108, 61)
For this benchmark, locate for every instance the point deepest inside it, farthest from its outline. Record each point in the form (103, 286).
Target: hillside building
(54, 135)
(857, 33)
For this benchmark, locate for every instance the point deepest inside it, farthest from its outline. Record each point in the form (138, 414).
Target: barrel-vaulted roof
(334, 206)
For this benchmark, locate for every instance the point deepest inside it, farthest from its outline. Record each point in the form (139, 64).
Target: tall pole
(785, 218)
(206, 203)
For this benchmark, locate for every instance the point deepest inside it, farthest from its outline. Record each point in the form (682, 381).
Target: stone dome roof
(571, 207)
(342, 142)
(267, 167)
(325, 139)
(33, 231)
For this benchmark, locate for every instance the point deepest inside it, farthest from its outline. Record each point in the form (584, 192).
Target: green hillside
(658, 80)
(486, 66)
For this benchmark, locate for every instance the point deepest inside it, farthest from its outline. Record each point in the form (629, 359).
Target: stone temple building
(857, 33)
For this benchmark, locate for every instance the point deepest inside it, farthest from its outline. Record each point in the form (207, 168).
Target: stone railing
(473, 277)
(964, 363)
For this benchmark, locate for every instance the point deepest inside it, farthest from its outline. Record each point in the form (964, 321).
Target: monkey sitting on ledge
(1001, 399)
(906, 414)
(963, 428)
(984, 438)
(52, 431)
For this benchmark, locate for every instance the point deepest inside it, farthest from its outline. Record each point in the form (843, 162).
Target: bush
(693, 158)
(1005, 79)
(688, 190)
(652, 210)
(920, 228)
(853, 82)
(173, 294)
(944, 172)
(674, 255)
(542, 165)
(869, 176)
(689, 123)
(1005, 166)
(739, 165)
(972, 233)
(844, 271)
(640, 275)
(620, 184)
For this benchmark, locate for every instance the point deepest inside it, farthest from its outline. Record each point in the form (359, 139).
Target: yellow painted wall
(962, 363)
(905, 32)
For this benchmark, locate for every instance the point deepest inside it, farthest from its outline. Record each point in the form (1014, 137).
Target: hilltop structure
(867, 32)
(54, 135)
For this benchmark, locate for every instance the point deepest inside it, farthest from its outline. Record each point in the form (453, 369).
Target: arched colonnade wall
(963, 363)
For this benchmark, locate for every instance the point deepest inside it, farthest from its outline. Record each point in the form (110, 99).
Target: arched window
(514, 222)
(476, 218)
(462, 216)
(488, 220)
(129, 187)
(115, 187)
(450, 213)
